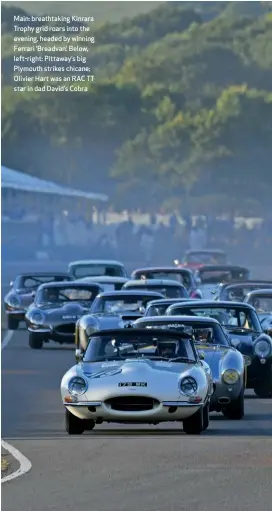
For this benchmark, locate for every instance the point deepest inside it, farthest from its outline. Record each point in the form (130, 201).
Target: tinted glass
(97, 270)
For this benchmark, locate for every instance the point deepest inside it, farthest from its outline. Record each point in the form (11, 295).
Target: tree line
(180, 112)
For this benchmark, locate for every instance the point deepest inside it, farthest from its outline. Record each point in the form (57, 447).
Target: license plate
(133, 384)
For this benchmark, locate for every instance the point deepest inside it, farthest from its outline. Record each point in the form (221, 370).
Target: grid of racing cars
(168, 343)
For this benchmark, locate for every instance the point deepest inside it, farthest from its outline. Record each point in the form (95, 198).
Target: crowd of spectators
(156, 242)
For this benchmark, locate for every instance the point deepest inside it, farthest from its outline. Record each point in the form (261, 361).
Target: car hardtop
(104, 278)
(131, 293)
(206, 251)
(131, 332)
(153, 282)
(71, 285)
(259, 292)
(105, 262)
(222, 267)
(170, 269)
(178, 319)
(213, 304)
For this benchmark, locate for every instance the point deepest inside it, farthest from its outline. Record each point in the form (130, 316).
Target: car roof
(170, 301)
(181, 319)
(153, 282)
(205, 251)
(173, 269)
(134, 331)
(215, 304)
(71, 284)
(96, 261)
(132, 292)
(104, 279)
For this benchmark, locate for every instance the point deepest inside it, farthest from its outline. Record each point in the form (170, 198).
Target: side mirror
(198, 281)
(142, 310)
(201, 355)
(11, 283)
(79, 355)
(33, 293)
(235, 343)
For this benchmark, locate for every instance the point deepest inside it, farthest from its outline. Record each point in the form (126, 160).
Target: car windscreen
(180, 277)
(166, 291)
(238, 293)
(31, 283)
(97, 270)
(59, 295)
(200, 332)
(206, 258)
(217, 276)
(226, 316)
(116, 304)
(262, 304)
(120, 346)
(157, 310)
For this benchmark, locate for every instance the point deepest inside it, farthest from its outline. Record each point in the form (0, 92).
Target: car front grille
(132, 403)
(66, 328)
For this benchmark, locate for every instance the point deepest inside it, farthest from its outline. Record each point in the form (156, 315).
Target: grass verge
(4, 465)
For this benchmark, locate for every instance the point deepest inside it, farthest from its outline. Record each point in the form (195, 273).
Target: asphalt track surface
(121, 468)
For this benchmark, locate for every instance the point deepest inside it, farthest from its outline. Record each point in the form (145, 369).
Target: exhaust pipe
(224, 400)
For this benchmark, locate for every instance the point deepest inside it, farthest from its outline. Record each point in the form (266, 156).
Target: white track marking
(25, 464)
(7, 338)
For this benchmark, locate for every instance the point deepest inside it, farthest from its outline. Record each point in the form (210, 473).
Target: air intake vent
(132, 403)
(68, 328)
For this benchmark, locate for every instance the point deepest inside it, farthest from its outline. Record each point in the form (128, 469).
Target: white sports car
(138, 376)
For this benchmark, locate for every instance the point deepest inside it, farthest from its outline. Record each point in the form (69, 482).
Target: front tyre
(206, 416)
(13, 323)
(35, 341)
(76, 426)
(194, 425)
(236, 410)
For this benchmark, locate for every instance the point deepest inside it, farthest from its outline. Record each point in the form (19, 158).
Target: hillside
(182, 106)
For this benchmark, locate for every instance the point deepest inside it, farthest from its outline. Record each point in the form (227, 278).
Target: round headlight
(13, 301)
(262, 348)
(230, 377)
(188, 386)
(77, 386)
(37, 318)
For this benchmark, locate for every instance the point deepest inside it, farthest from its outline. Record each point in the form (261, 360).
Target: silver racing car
(137, 376)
